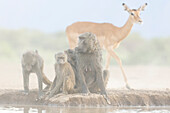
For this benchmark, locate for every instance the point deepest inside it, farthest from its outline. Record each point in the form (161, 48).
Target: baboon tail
(106, 75)
(46, 80)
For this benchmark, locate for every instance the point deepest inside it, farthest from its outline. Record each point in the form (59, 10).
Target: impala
(108, 35)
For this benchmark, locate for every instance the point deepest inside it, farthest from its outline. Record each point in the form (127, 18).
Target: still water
(42, 109)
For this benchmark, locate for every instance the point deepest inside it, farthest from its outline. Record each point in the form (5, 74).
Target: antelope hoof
(128, 87)
(107, 99)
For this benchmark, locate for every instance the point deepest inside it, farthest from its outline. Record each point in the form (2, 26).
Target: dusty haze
(139, 77)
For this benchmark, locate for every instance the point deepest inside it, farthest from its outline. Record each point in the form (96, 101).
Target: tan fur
(65, 79)
(109, 36)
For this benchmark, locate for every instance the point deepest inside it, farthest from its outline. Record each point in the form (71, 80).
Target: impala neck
(125, 30)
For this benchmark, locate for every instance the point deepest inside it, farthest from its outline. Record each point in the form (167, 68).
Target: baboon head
(61, 58)
(71, 57)
(29, 60)
(135, 13)
(87, 43)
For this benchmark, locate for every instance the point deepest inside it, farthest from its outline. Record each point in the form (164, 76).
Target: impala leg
(118, 60)
(108, 58)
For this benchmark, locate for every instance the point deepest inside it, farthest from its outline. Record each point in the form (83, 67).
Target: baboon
(65, 79)
(71, 58)
(32, 62)
(88, 65)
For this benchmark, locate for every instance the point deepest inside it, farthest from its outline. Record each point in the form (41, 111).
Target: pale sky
(55, 15)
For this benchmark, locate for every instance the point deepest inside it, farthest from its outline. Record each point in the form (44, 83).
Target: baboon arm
(71, 74)
(56, 70)
(55, 79)
(26, 80)
(54, 83)
(100, 81)
(58, 85)
(82, 81)
(39, 76)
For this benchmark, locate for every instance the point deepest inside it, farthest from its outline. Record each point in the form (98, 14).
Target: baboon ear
(141, 8)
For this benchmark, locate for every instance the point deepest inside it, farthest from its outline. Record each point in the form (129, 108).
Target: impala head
(135, 13)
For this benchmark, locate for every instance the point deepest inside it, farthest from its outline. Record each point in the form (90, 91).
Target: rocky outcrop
(117, 98)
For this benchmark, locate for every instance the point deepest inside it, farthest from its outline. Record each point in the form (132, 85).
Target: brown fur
(32, 62)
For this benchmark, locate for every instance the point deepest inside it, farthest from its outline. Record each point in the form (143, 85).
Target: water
(42, 109)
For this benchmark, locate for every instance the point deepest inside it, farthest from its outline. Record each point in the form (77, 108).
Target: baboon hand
(47, 93)
(25, 92)
(47, 98)
(51, 94)
(85, 93)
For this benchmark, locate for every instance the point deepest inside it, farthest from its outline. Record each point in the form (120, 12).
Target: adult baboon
(71, 58)
(65, 79)
(32, 62)
(89, 65)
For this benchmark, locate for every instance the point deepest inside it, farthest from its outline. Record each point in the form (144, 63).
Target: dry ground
(116, 98)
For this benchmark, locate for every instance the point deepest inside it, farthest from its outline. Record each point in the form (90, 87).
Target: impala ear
(142, 7)
(126, 7)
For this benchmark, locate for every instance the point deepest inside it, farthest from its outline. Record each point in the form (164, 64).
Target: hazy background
(40, 24)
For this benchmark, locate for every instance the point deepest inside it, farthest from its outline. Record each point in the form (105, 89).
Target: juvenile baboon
(32, 62)
(65, 79)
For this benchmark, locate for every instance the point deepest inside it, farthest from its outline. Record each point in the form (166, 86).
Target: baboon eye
(61, 57)
(84, 42)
